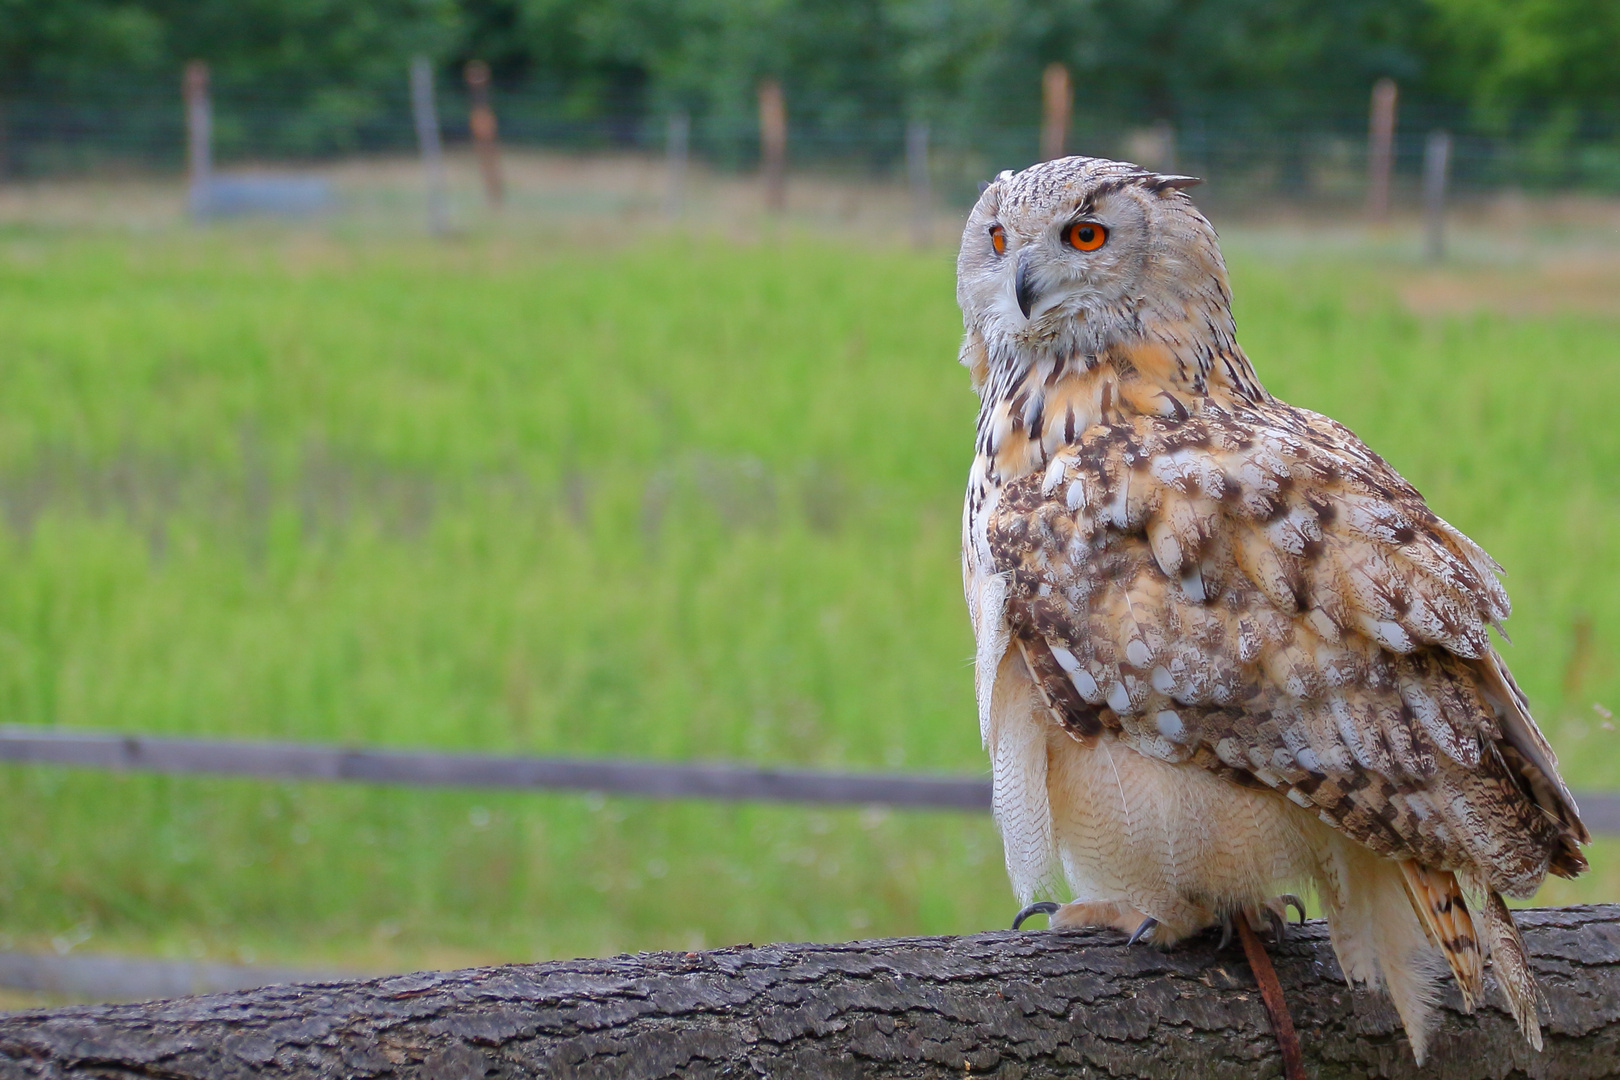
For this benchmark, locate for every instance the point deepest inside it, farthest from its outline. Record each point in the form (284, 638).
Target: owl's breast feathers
(1243, 586)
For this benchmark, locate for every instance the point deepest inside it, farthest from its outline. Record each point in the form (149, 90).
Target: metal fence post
(427, 137)
(1436, 167)
(922, 209)
(1380, 149)
(199, 139)
(678, 133)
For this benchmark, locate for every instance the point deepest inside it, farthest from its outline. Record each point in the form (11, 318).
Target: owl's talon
(1289, 900)
(1226, 934)
(1141, 931)
(1279, 925)
(1040, 907)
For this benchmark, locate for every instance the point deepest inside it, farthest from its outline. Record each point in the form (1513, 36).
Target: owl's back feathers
(1255, 592)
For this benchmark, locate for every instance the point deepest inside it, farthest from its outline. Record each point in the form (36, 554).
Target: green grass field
(664, 498)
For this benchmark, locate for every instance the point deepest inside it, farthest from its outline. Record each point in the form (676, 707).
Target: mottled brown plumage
(1223, 646)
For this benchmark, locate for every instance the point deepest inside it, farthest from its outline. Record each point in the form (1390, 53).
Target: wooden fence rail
(304, 761)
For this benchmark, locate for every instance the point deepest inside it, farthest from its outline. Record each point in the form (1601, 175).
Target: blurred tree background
(853, 69)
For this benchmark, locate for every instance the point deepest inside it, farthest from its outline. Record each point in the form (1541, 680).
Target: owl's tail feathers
(1378, 943)
(1509, 958)
(1443, 913)
(1466, 930)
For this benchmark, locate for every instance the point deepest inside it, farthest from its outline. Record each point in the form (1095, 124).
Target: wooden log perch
(1027, 1004)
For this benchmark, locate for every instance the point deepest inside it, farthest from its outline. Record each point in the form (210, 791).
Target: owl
(1223, 649)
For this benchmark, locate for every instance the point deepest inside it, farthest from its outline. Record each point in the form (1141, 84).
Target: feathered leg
(1378, 938)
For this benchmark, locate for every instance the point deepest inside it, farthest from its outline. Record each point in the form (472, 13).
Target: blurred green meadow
(664, 496)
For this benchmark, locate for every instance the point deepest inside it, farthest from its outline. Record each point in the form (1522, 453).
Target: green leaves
(325, 72)
(1514, 52)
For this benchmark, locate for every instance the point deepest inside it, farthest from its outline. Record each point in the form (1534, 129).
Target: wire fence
(51, 134)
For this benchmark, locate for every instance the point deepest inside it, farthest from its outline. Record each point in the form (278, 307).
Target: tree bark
(1029, 1004)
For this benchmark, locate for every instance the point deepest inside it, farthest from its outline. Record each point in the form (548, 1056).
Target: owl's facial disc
(1033, 271)
(1084, 257)
(1076, 262)
(1083, 235)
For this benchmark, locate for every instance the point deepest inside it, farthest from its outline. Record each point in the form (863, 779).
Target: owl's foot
(1136, 924)
(1040, 907)
(1273, 914)
(1289, 900)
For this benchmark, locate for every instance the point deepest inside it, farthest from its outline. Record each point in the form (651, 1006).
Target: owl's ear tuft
(1161, 184)
(985, 185)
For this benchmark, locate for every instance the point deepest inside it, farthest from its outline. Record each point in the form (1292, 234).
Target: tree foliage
(1555, 55)
(949, 61)
(852, 64)
(74, 40)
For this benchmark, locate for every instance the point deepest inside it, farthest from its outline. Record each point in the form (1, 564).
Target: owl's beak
(1023, 283)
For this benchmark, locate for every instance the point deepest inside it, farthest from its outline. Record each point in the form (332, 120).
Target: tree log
(1027, 1004)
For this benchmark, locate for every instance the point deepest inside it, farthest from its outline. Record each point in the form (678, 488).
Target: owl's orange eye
(998, 239)
(1086, 235)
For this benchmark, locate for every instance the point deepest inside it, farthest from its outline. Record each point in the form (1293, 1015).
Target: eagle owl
(1223, 648)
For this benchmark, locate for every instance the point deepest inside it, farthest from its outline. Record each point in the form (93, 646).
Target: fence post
(481, 121)
(1380, 149)
(677, 135)
(922, 200)
(1436, 169)
(427, 137)
(773, 144)
(199, 139)
(1057, 101)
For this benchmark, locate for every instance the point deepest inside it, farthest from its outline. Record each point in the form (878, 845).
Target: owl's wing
(1256, 592)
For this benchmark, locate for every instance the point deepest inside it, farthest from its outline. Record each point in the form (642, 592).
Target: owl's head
(1079, 256)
